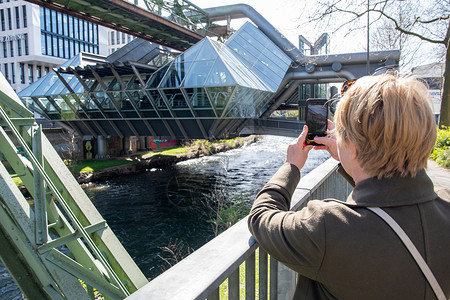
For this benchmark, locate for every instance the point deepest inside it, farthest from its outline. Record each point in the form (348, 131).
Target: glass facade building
(206, 90)
(65, 36)
(38, 39)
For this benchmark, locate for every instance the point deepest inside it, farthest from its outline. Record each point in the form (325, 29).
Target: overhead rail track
(161, 22)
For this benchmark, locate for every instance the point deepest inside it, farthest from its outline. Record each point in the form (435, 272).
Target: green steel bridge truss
(54, 243)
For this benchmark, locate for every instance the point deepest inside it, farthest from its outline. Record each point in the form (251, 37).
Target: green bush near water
(441, 150)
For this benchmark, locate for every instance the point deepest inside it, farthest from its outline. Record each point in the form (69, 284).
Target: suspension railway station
(184, 78)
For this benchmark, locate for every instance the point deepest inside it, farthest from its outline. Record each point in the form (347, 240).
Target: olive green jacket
(345, 251)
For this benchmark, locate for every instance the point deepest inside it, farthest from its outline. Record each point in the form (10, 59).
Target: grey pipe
(300, 77)
(237, 11)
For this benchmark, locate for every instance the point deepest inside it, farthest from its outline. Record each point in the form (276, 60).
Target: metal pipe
(237, 11)
(299, 78)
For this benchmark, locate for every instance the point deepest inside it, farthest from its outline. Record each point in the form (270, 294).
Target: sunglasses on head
(347, 84)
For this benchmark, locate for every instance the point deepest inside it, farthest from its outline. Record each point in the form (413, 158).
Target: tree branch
(403, 30)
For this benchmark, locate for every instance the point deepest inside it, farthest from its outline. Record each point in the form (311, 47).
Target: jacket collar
(395, 191)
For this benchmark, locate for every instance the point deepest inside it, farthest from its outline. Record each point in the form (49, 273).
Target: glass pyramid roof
(236, 78)
(50, 84)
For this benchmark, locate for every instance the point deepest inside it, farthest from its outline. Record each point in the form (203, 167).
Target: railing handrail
(199, 274)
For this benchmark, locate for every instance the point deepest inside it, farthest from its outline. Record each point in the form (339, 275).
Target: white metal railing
(200, 275)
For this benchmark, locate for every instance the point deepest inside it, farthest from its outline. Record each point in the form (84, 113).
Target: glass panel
(245, 106)
(87, 100)
(156, 78)
(220, 75)
(133, 84)
(96, 86)
(175, 98)
(114, 85)
(207, 52)
(57, 88)
(198, 97)
(269, 81)
(74, 83)
(45, 84)
(144, 101)
(191, 53)
(247, 57)
(157, 99)
(104, 101)
(220, 95)
(176, 73)
(198, 73)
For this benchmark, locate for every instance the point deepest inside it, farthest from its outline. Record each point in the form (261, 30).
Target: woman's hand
(297, 152)
(328, 142)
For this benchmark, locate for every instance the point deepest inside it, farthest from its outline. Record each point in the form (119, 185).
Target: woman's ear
(353, 151)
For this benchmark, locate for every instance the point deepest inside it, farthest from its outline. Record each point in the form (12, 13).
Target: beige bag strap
(412, 249)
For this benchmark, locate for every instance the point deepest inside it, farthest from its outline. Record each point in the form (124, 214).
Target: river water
(162, 207)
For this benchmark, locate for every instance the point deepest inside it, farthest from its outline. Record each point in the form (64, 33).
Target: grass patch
(95, 165)
(17, 181)
(441, 150)
(172, 151)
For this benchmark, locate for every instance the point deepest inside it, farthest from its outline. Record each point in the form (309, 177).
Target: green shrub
(441, 150)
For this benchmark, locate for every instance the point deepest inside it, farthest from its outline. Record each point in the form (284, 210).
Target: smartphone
(316, 119)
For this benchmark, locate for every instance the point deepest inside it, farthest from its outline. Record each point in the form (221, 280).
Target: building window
(9, 16)
(65, 24)
(24, 16)
(13, 73)
(38, 72)
(19, 47)
(25, 39)
(5, 68)
(118, 37)
(2, 17)
(70, 26)
(55, 45)
(30, 74)
(5, 50)
(11, 48)
(66, 48)
(46, 70)
(22, 72)
(63, 34)
(95, 34)
(76, 27)
(48, 44)
(112, 38)
(48, 21)
(17, 17)
(60, 47)
(129, 38)
(59, 23)
(53, 21)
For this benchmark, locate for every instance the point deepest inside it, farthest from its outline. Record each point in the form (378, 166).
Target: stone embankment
(141, 163)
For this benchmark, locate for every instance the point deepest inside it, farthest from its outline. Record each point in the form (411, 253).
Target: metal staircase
(55, 244)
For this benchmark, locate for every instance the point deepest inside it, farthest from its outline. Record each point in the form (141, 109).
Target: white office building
(33, 40)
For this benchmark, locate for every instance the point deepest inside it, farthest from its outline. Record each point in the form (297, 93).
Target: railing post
(262, 274)
(250, 277)
(286, 282)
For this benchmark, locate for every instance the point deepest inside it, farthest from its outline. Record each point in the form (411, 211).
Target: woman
(384, 133)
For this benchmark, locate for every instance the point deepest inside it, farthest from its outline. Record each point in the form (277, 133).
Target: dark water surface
(159, 207)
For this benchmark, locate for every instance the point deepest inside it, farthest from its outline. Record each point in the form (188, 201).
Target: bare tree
(427, 21)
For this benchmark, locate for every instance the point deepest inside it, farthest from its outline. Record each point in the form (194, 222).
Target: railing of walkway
(234, 258)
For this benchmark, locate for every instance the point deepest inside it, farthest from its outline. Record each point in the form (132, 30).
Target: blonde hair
(389, 119)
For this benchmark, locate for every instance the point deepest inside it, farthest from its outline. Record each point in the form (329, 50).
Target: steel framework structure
(55, 244)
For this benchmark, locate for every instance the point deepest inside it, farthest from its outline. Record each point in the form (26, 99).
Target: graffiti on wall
(159, 144)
